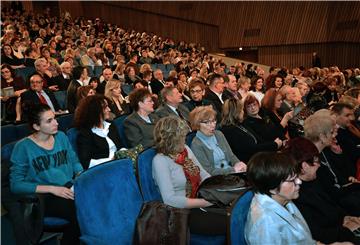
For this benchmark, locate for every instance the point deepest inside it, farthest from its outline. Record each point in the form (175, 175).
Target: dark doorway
(247, 55)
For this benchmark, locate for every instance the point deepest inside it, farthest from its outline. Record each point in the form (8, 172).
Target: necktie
(183, 118)
(42, 98)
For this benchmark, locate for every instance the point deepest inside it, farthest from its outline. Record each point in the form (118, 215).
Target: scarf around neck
(191, 171)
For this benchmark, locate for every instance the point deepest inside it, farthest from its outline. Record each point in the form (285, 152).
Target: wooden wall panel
(342, 54)
(279, 22)
(75, 8)
(175, 28)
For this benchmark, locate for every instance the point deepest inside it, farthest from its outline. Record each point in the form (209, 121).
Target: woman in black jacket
(98, 140)
(243, 141)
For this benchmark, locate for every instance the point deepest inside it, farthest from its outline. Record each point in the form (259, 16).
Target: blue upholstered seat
(50, 223)
(65, 121)
(8, 134)
(119, 123)
(22, 130)
(60, 97)
(238, 218)
(108, 202)
(72, 134)
(151, 192)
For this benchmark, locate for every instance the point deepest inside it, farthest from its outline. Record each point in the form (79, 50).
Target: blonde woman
(178, 174)
(119, 105)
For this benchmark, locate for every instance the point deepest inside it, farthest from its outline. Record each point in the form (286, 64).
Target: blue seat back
(72, 135)
(189, 138)
(6, 151)
(147, 184)
(8, 134)
(61, 97)
(108, 202)
(119, 123)
(65, 121)
(22, 130)
(238, 218)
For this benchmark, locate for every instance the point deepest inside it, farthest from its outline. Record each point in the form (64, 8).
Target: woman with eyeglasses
(139, 125)
(210, 145)
(197, 92)
(273, 218)
(98, 139)
(328, 222)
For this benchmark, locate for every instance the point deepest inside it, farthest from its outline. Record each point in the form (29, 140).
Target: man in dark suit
(63, 80)
(231, 90)
(158, 83)
(348, 141)
(107, 74)
(36, 95)
(172, 104)
(214, 92)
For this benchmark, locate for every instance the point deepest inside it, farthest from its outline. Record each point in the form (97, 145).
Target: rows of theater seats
(119, 199)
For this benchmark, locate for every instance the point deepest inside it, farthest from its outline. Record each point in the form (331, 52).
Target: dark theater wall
(284, 33)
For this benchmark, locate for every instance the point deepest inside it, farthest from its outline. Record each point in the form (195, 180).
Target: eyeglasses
(196, 91)
(209, 122)
(295, 180)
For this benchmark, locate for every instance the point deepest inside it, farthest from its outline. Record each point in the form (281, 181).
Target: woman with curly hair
(98, 140)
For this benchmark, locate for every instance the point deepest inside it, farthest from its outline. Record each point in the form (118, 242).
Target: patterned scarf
(191, 171)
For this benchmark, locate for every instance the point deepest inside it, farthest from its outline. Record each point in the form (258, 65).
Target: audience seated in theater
(304, 91)
(178, 174)
(349, 142)
(94, 83)
(130, 75)
(42, 68)
(107, 75)
(172, 104)
(119, 72)
(139, 125)
(276, 82)
(45, 163)
(89, 59)
(53, 64)
(327, 221)
(197, 92)
(64, 78)
(263, 128)
(118, 104)
(157, 83)
(331, 94)
(8, 102)
(231, 88)
(98, 140)
(213, 93)
(84, 91)
(320, 128)
(35, 95)
(7, 57)
(288, 100)
(257, 88)
(273, 218)
(243, 141)
(270, 106)
(210, 146)
(244, 86)
(79, 75)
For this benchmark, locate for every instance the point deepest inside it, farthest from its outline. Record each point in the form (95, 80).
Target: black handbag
(223, 190)
(32, 210)
(161, 224)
